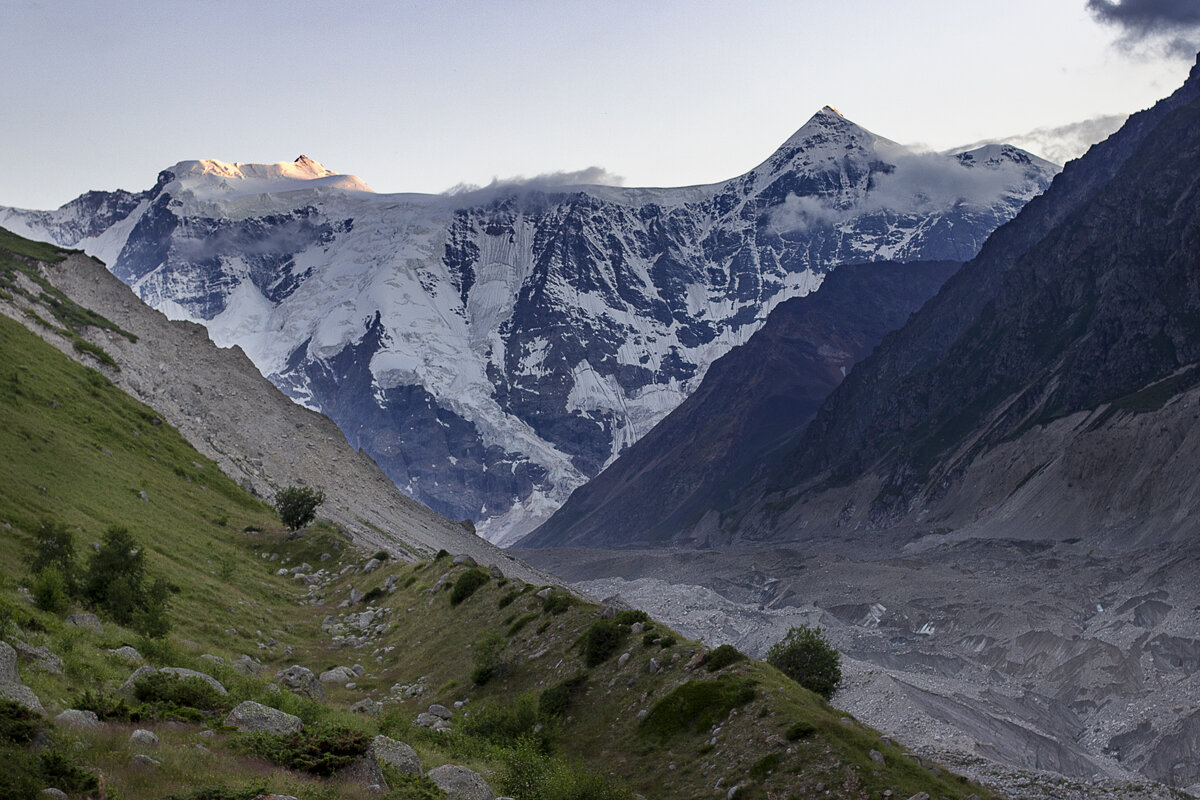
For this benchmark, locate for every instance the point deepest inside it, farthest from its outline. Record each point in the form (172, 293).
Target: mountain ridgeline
(1047, 390)
(493, 350)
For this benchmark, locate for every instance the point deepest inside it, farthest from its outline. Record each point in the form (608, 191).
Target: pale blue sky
(419, 96)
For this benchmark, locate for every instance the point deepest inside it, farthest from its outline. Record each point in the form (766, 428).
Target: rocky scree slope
(493, 350)
(752, 403)
(1022, 378)
(229, 412)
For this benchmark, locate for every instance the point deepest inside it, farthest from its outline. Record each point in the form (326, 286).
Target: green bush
(696, 706)
(54, 546)
(251, 792)
(558, 603)
(722, 657)
(805, 657)
(555, 701)
(487, 661)
(168, 692)
(49, 590)
(505, 723)
(109, 708)
(630, 616)
(508, 598)
(18, 725)
(601, 640)
(410, 787)
(321, 750)
(520, 623)
(115, 582)
(467, 583)
(529, 772)
(799, 730)
(297, 506)
(760, 769)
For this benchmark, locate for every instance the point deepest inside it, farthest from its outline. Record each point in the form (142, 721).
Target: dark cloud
(1171, 27)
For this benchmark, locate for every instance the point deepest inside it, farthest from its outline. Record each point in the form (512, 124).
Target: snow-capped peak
(205, 180)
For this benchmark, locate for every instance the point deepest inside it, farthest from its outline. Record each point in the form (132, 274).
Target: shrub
(373, 594)
(805, 657)
(722, 657)
(115, 582)
(630, 616)
(54, 545)
(382, 555)
(649, 638)
(602, 638)
(520, 623)
(49, 591)
(487, 659)
(799, 730)
(696, 706)
(109, 708)
(321, 750)
(555, 701)
(508, 598)
(760, 769)
(528, 772)
(297, 506)
(467, 583)
(251, 792)
(666, 641)
(441, 554)
(505, 723)
(18, 725)
(558, 603)
(169, 692)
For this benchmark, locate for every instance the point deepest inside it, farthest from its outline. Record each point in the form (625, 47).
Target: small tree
(297, 506)
(805, 657)
(54, 546)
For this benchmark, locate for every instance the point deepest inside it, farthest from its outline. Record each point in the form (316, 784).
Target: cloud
(590, 176)
(1062, 143)
(1166, 27)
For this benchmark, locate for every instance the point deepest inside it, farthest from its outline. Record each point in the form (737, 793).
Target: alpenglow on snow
(494, 350)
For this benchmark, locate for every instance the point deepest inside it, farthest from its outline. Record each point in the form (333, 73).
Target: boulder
(143, 738)
(128, 653)
(460, 783)
(54, 794)
(80, 720)
(255, 717)
(495, 571)
(396, 754)
(464, 560)
(145, 761)
(11, 687)
(40, 657)
(247, 665)
(126, 688)
(301, 681)
(181, 672)
(371, 566)
(367, 706)
(89, 621)
(365, 771)
(440, 711)
(338, 675)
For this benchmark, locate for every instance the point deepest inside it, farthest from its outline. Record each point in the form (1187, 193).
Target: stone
(11, 686)
(654, 666)
(40, 657)
(355, 595)
(623, 660)
(396, 754)
(359, 669)
(182, 672)
(247, 665)
(325, 556)
(495, 571)
(637, 627)
(545, 593)
(464, 560)
(440, 711)
(460, 783)
(51, 792)
(128, 653)
(389, 585)
(80, 720)
(876, 756)
(337, 675)
(88, 621)
(255, 717)
(213, 659)
(427, 720)
(143, 738)
(365, 771)
(696, 661)
(367, 706)
(144, 761)
(301, 681)
(920, 796)
(371, 566)
(126, 688)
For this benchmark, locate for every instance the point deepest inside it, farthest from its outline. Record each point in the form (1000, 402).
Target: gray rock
(623, 660)
(920, 796)
(359, 669)
(252, 716)
(128, 653)
(301, 681)
(464, 560)
(58, 794)
(876, 756)
(396, 754)
(365, 771)
(40, 657)
(637, 627)
(181, 672)
(126, 688)
(367, 706)
(337, 675)
(325, 556)
(143, 738)
(145, 761)
(460, 783)
(89, 621)
(247, 665)
(214, 659)
(355, 595)
(495, 571)
(11, 686)
(427, 720)
(389, 585)
(371, 566)
(544, 593)
(80, 720)
(440, 711)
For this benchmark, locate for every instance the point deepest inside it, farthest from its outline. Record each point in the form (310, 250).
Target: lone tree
(297, 506)
(805, 657)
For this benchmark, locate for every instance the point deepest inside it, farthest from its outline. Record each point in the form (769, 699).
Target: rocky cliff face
(753, 401)
(495, 349)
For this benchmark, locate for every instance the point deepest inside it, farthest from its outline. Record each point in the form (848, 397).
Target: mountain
(493, 350)
(752, 401)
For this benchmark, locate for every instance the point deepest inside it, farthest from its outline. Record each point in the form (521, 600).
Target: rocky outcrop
(302, 681)
(255, 717)
(396, 754)
(460, 783)
(11, 687)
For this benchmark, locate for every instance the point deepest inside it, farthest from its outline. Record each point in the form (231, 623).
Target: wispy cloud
(590, 176)
(1062, 143)
(1152, 27)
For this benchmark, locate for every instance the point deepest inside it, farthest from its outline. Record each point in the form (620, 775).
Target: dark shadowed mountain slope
(702, 457)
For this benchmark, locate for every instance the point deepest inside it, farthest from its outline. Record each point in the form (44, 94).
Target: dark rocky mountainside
(752, 402)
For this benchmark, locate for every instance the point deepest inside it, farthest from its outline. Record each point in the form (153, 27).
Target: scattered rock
(696, 661)
(396, 754)
(877, 757)
(325, 556)
(463, 560)
(58, 794)
(11, 686)
(495, 571)
(338, 675)
(920, 796)
(365, 771)
(145, 761)
(623, 660)
(80, 720)
(733, 790)
(247, 665)
(460, 783)
(128, 653)
(88, 621)
(252, 716)
(301, 681)
(427, 720)
(359, 669)
(355, 595)
(654, 666)
(371, 566)
(545, 593)
(143, 738)
(213, 658)
(367, 706)
(40, 657)
(181, 672)
(389, 585)
(637, 627)
(440, 711)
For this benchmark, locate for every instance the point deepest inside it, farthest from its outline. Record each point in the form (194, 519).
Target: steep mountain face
(752, 402)
(1023, 378)
(493, 350)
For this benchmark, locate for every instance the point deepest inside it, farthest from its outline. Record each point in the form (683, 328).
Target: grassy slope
(75, 448)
